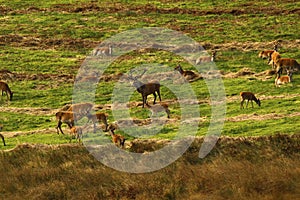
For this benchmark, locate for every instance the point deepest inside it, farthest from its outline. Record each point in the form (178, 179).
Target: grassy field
(44, 44)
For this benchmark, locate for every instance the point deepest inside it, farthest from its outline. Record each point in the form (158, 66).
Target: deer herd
(72, 113)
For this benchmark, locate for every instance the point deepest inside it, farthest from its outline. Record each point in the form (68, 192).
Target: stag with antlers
(145, 88)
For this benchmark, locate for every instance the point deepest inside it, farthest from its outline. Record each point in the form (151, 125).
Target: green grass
(56, 41)
(263, 127)
(46, 94)
(25, 122)
(37, 139)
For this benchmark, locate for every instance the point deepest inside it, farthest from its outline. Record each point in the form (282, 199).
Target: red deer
(117, 139)
(267, 53)
(286, 63)
(162, 107)
(97, 118)
(146, 88)
(280, 80)
(5, 88)
(2, 137)
(249, 96)
(274, 56)
(107, 51)
(205, 59)
(76, 131)
(187, 74)
(81, 108)
(64, 117)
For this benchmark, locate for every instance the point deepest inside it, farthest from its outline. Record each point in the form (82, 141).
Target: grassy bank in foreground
(237, 168)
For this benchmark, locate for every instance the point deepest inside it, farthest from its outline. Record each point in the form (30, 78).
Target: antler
(130, 76)
(139, 76)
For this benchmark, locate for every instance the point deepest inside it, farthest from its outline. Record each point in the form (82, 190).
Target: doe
(249, 96)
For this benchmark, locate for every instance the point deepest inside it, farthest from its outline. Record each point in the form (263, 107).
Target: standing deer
(249, 96)
(64, 117)
(288, 64)
(146, 88)
(97, 118)
(268, 53)
(117, 139)
(274, 56)
(161, 107)
(280, 80)
(107, 51)
(2, 137)
(76, 131)
(205, 59)
(5, 88)
(81, 108)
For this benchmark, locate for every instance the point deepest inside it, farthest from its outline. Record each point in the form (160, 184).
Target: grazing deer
(187, 74)
(205, 59)
(267, 53)
(2, 137)
(280, 80)
(64, 117)
(162, 107)
(286, 63)
(76, 131)
(249, 96)
(107, 51)
(117, 139)
(146, 88)
(5, 88)
(97, 118)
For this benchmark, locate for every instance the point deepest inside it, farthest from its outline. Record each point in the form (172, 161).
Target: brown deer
(268, 53)
(76, 131)
(81, 108)
(117, 139)
(2, 137)
(107, 51)
(5, 88)
(280, 80)
(249, 96)
(146, 88)
(161, 107)
(288, 64)
(206, 59)
(97, 118)
(64, 117)
(274, 56)
(187, 74)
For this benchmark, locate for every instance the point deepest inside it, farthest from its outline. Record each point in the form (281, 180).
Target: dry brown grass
(237, 168)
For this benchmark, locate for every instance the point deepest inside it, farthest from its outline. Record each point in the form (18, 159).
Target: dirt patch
(18, 133)
(41, 43)
(46, 43)
(240, 73)
(13, 76)
(237, 98)
(257, 117)
(248, 73)
(30, 111)
(133, 9)
(7, 75)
